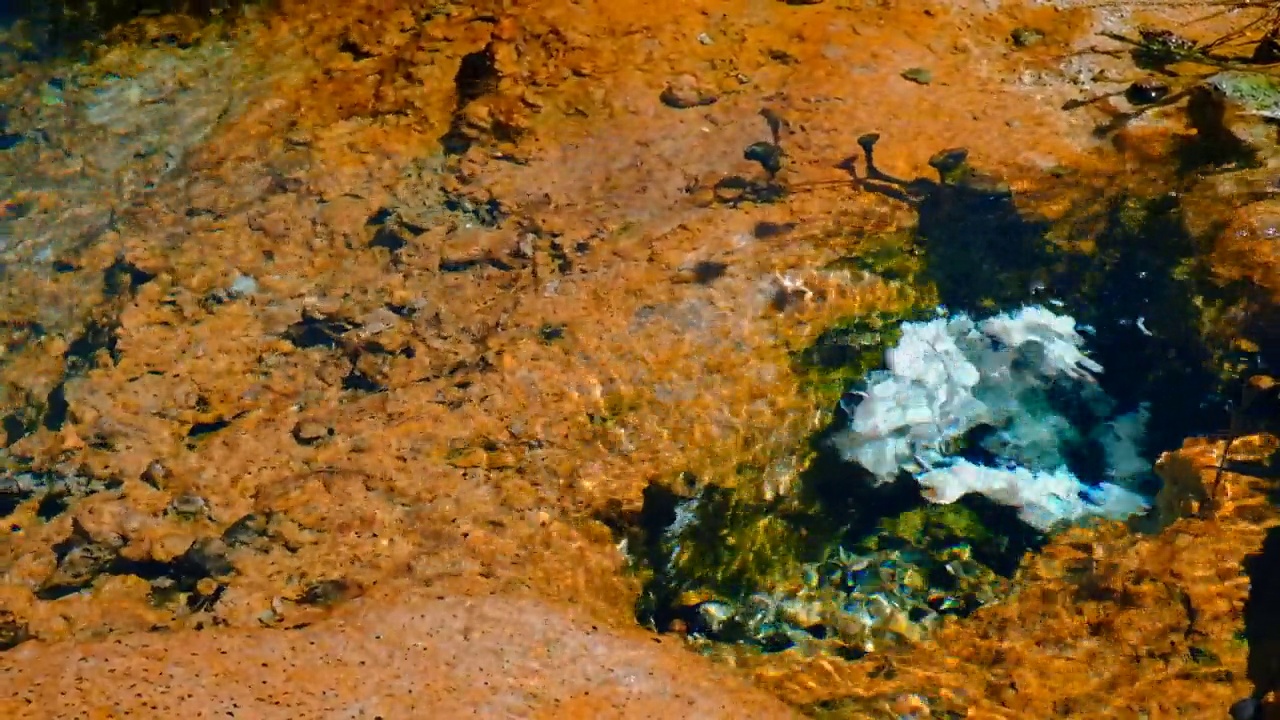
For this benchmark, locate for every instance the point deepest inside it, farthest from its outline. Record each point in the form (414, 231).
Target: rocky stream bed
(394, 358)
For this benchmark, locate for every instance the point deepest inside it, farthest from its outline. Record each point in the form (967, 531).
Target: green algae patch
(801, 572)
(850, 347)
(844, 353)
(889, 255)
(719, 546)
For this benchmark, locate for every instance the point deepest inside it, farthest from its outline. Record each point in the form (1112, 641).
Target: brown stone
(414, 656)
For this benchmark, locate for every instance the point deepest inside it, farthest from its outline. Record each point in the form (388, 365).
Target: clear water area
(62, 28)
(846, 565)
(1137, 291)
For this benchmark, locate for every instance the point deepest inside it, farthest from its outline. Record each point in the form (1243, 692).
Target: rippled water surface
(833, 359)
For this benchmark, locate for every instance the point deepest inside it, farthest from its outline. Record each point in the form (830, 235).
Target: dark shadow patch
(477, 76)
(124, 278)
(1262, 627)
(81, 560)
(736, 190)
(360, 382)
(317, 331)
(380, 217)
(352, 48)
(390, 238)
(455, 266)
(14, 428)
(708, 271)
(56, 408)
(56, 491)
(200, 429)
(51, 506)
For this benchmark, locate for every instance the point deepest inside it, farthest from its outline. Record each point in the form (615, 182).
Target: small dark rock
(708, 271)
(1247, 709)
(782, 57)
(310, 432)
(328, 592)
(1024, 37)
(206, 557)
(80, 560)
(686, 92)
(768, 154)
(156, 475)
(12, 632)
(918, 75)
(1146, 91)
(246, 531)
(765, 229)
(550, 332)
(188, 506)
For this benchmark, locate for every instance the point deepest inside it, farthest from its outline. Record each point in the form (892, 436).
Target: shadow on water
(1140, 290)
(1262, 629)
(1123, 264)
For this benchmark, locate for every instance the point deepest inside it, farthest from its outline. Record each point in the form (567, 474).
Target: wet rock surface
(437, 654)
(368, 295)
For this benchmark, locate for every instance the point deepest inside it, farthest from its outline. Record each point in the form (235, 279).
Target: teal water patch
(999, 389)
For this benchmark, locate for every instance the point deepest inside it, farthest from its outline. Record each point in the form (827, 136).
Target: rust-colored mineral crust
(412, 656)
(265, 348)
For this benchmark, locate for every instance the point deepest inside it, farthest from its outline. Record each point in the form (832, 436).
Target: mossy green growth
(1251, 92)
(725, 545)
(996, 539)
(844, 353)
(933, 526)
(889, 255)
(849, 348)
(733, 548)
